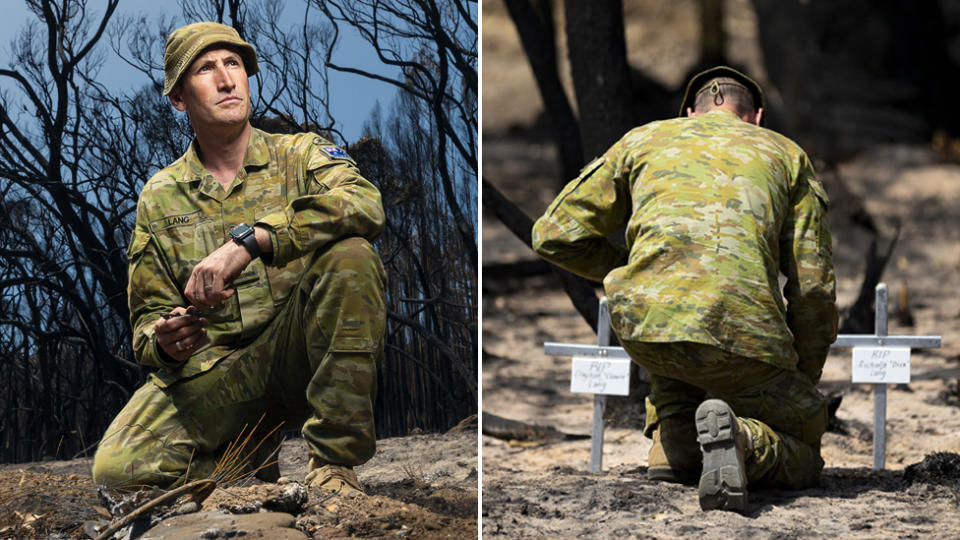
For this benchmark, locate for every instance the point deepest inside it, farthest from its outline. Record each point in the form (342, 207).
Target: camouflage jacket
(306, 191)
(714, 209)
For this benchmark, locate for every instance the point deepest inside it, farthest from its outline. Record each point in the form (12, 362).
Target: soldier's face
(215, 91)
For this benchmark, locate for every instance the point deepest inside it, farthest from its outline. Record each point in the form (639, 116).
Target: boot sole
(723, 484)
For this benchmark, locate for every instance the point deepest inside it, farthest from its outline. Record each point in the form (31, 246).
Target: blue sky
(352, 97)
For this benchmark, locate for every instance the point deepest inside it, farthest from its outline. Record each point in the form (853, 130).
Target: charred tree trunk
(712, 39)
(860, 319)
(601, 76)
(534, 22)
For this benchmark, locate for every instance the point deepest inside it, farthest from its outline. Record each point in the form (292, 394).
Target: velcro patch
(335, 152)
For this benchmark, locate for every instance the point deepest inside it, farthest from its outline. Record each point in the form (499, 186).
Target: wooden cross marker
(875, 358)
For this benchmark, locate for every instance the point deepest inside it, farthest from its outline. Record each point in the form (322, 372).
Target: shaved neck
(751, 117)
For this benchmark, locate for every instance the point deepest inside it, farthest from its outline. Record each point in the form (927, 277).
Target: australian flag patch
(336, 152)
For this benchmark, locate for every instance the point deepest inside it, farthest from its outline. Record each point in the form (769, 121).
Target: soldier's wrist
(245, 236)
(267, 238)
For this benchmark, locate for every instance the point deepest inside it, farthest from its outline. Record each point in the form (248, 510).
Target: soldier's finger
(199, 341)
(163, 326)
(199, 293)
(188, 330)
(191, 341)
(175, 324)
(210, 289)
(177, 312)
(216, 285)
(170, 347)
(202, 288)
(191, 286)
(224, 295)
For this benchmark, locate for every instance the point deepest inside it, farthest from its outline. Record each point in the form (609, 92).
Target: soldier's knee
(111, 468)
(122, 462)
(351, 262)
(105, 471)
(350, 253)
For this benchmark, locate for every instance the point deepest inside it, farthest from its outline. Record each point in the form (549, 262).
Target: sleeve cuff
(160, 358)
(150, 353)
(283, 250)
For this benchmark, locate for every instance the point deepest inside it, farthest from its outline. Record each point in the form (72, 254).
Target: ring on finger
(208, 287)
(179, 345)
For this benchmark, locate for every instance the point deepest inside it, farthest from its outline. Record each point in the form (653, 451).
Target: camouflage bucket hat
(187, 42)
(700, 79)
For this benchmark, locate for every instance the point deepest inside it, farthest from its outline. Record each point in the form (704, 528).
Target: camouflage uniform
(299, 340)
(714, 208)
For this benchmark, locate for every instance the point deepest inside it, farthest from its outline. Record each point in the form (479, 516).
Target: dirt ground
(545, 491)
(419, 486)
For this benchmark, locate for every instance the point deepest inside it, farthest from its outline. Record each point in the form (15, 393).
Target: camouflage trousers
(783, 410)
(314, 365)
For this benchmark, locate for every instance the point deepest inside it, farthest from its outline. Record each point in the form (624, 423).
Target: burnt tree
(534, 21)
(597, 49)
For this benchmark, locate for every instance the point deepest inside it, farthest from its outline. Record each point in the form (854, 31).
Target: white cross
(879, 339)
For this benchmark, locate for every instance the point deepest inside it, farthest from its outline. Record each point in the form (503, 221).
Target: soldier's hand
(209, 283)
(180, 333)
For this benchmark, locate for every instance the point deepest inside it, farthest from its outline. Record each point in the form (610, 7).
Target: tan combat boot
(725, 442)
(675, 454)
(339, 479)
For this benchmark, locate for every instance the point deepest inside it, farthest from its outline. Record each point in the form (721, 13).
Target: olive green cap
(187, 42)
(697, 83)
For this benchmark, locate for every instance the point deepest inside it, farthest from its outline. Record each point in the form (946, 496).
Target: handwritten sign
(889, 365)
(593, 375)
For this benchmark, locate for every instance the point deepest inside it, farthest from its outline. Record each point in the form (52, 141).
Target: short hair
(724, 90)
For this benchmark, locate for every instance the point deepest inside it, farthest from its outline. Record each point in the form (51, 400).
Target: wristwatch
(243, 234)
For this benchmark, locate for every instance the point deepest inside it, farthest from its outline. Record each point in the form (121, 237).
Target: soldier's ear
(176, 99)
(752, 117)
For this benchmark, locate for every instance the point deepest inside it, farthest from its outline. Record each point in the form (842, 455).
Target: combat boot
(338, 479)
(725, 442)
(675, 454)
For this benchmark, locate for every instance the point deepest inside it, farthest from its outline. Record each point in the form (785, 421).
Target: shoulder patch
(335, 152)
(331, 150)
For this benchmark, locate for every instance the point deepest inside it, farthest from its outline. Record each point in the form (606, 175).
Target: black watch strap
(244, 235)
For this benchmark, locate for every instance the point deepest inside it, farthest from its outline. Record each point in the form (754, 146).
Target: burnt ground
(419, 486)
(546, 491)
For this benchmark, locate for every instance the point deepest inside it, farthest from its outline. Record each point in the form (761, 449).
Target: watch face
(241, 231)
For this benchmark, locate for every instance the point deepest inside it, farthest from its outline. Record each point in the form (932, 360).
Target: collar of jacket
(258, 155)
